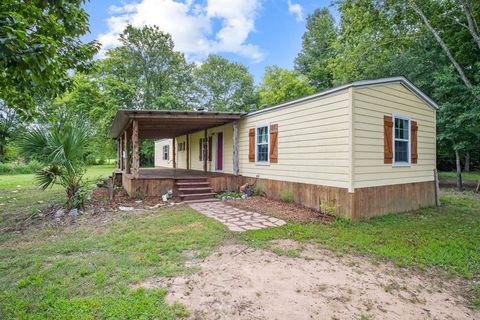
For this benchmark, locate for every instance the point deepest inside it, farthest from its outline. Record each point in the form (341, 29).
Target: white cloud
(191, 25)
(296, 9)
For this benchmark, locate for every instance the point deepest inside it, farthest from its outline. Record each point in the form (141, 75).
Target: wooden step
(197, 196)
(191, 190)
(201, 200)
(192, 184)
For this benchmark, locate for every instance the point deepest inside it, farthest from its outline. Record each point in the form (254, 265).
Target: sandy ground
(237, 282)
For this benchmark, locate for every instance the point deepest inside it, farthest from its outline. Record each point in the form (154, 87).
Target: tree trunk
(443, 45)
(472, 24)
(459, 171)
(466, 167)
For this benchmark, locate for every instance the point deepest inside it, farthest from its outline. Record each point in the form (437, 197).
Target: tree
(317, 49)
(281, 85)
(9, 125)
(221, 85)
(39, 44)
(61, 149)
(146, 71)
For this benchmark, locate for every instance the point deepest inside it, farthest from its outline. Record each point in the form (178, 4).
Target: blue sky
(256, 33)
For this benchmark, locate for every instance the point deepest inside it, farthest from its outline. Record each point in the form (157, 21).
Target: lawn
(473, 176)
(88, 270)
(20, 197)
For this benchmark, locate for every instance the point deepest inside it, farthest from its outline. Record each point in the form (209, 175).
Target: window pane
(401, 128)
(262, 153)
(262, 135)
(401, 151)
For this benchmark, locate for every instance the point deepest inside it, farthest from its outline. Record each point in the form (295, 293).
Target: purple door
(219, 163)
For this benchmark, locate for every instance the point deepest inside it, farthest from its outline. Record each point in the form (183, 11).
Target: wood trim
(387, 140)
(174, 160)
(205, 151)
(273, 152)
(127, 151)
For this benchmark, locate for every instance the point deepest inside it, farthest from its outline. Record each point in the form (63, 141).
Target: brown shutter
(210, 148)
(168, 152)
(200, 150)
(414, 154)
(273, 143)
(387, 139)
(251, 145)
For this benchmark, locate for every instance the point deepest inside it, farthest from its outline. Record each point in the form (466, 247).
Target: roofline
(361, 83)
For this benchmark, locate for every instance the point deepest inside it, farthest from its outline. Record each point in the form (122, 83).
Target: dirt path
(238, 282)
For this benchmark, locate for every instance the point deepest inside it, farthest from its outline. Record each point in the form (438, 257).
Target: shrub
(257, 191)
(287, 197)
(20, 168)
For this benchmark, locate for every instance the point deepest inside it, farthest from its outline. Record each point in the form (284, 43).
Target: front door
(219, 153)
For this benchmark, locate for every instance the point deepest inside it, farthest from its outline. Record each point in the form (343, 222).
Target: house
(362, 149)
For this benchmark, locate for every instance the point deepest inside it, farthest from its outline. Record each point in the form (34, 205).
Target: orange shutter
(414, 142)
(273, 143)
(387, 139)
(210, 148)
(200, 150)
(251, 145)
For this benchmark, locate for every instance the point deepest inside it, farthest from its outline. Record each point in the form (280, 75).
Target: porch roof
(159, 124)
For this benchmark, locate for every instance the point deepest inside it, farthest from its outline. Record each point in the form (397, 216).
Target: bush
(287, 197)
(20, 168)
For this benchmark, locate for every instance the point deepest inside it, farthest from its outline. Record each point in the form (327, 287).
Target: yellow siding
(313, 142)
(159, 162)
(370, 104)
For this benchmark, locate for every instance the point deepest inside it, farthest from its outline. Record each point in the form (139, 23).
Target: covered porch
(130, 126)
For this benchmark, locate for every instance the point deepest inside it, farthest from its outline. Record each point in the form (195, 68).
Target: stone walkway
(236, 219)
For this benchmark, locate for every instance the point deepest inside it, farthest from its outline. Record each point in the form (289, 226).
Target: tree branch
(472, 24)
(443, 45)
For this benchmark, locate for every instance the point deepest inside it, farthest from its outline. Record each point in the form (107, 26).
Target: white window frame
(396, 163)
(201, 149)
(165, 152)
(262, 163)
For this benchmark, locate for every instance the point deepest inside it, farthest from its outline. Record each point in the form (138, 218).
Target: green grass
(448, 237)
(473, 176)
(21, 198)
(87, 272)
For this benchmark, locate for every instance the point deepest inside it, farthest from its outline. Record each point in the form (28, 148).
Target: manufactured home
(363, 149)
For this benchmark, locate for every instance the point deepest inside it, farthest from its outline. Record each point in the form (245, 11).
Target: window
(165, 152)
(401, 138)
(262, 144)
(201, 149)
(181, 146)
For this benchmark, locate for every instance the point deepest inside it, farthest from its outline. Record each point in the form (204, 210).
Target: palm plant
(62, 151)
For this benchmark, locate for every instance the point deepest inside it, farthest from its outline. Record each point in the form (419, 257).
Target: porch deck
(171, 173)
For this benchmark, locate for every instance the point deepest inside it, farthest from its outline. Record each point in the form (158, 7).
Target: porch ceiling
(159, 124)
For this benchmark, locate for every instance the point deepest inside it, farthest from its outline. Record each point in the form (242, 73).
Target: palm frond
(48, 176)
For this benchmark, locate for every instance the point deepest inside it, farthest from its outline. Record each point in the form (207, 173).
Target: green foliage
(232, 194)
(20, 168)
(39, 44)
(145, 72)
(317, 49)
(281, 85)
(61, 150)
(221, 85)
(287, 196)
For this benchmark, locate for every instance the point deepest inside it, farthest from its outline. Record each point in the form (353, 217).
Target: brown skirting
(363, 203)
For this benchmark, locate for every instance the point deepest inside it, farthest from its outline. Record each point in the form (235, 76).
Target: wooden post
(437, 188)
(173, 154)
(205, 152)
(235, 148)
(188, 152)
(120, 153)
(136, 156)
(127, 152)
